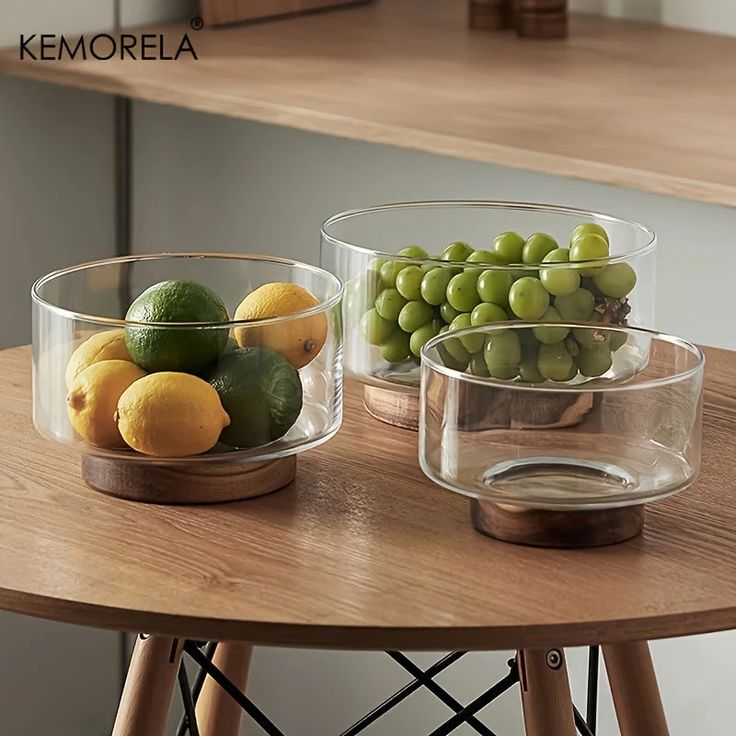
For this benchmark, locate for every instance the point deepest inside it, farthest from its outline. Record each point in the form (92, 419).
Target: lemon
(299, 340)
(171, 414)
(93, 398)
(107, 345)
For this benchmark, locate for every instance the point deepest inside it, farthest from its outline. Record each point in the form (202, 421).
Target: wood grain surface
(629, 104)
(361, 552)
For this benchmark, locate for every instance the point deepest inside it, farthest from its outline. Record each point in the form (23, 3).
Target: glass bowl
(369, 250)
(172, 395)
(620, 429)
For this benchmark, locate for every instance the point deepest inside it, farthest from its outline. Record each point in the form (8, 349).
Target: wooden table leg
(634, 688)
(146, 699)
(217, 713)
(545, 693)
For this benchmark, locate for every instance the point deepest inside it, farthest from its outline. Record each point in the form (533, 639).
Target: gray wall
(55, 210)
(230, 185)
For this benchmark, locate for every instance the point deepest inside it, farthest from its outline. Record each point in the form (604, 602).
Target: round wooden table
(361, 552)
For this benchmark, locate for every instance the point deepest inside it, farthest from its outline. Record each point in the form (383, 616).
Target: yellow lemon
(93, 398)
(298, 340)
(108, 345)
(171, 414)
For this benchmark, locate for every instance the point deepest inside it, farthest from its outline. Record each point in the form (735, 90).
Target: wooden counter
(622, 103)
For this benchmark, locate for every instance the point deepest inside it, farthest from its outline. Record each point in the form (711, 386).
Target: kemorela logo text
(105, 46)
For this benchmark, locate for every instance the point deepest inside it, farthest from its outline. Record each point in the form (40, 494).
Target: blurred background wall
(232, 185)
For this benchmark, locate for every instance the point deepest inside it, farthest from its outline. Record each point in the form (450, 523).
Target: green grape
(493, 287)
(396, 348)
(588, 337)
(448, 312)
(588, 228)
(434, 285)
(462, 292)
(508, 247)
(588, 247)
(456, 350)
(414, 314)
(423, 335)
(427, 267)
(502, 354)
(576, 307)
(485, 313)
(472, 343)
(389, 271)
(573, 372)
(616, 280)
(594, 361)
(537, 246)
(528, 298)
(478, 365)
(550, 335)
(409, 283)
(484, 257)
(448, 359)
(616, 339)
(456, 252)
(529, 353)
(376, 329)
(554, 362)
(559, 281)
(375, 264)
(413, 251)
(389, 304)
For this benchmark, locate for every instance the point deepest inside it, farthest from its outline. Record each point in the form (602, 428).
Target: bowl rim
(490, 204)
(323, 306)
(429, 363)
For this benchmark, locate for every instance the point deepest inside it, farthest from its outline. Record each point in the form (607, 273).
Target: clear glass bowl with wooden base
(188, 377)
(412, 270)
(561, 432)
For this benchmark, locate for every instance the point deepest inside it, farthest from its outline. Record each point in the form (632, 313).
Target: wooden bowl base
(187, 483)
(399, 408)
(562, 529)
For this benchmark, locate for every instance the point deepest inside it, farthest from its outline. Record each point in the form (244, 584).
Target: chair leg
(149, 686)
(545, 693)
(217, 713)
(634, 688)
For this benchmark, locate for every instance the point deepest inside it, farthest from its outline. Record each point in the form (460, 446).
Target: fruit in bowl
(174, 383)
(402, 303)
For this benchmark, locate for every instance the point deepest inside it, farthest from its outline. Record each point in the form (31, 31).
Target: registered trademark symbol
(196, 23)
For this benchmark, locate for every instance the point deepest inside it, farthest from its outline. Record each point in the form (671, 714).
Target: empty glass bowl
(412, 270)
(562, 416)
(176, 360)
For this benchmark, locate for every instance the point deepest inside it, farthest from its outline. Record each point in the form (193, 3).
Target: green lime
(176, 348)
(261, 392)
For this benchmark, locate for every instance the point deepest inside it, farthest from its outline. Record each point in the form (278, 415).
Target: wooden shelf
(622, 103)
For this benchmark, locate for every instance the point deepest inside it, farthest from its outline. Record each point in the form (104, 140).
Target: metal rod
(400, 695)
(591, 710)
(438, 691)
(209, 652)
(188, 702)
(480, 702)
(240, 698)
(580, 723)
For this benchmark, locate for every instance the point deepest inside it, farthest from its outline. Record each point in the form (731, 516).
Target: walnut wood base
(561, 529)
(490, 15)
(188, 483)
(399, 408)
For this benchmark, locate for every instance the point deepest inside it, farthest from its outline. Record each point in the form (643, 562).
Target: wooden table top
(362, 552)
(630, 104)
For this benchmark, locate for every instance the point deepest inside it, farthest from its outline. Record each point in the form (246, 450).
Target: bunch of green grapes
(403, 304)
